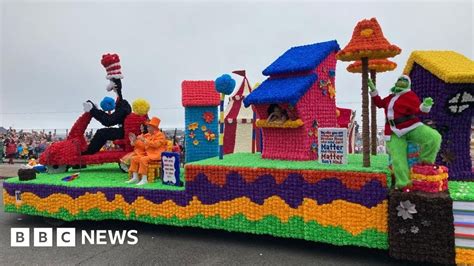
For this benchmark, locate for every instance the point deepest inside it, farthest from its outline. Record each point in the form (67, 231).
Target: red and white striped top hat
(111, 62)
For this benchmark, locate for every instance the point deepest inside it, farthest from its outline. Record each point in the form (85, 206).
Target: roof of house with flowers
(296, 60)
(301, 58)
(199, 93)
(281, 90)
(449, 66)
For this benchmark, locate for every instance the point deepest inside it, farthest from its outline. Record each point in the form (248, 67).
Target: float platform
(336, 204)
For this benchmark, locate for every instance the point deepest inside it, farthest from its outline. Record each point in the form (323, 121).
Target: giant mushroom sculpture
(375, 66)
(367, 42)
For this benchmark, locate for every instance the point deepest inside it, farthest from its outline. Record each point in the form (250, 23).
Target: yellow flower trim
(371, 54)
(464, 256)
(379, 65)
(430, 178)
(288, 124)
(382, 68)
(449, 66)
(367, 32)
(352, 217)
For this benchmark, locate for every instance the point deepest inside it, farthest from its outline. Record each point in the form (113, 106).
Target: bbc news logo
(66, 237)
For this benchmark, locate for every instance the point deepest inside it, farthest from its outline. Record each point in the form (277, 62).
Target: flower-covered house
(447, 77)
(300, 93)
(200, 100)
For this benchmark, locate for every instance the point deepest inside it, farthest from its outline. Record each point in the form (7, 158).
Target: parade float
(303, 184)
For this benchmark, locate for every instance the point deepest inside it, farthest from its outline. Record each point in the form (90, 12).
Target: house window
(277, 114)
(460, 102)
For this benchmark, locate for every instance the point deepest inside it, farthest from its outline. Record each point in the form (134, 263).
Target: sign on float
(332, 145)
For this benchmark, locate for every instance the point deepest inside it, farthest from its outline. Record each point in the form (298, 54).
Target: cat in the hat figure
(111, 62)
(402, 125)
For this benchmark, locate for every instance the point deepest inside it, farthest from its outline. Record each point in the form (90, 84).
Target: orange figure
(138, 145)
(155, 143)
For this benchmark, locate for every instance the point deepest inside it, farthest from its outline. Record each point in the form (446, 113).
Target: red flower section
(199, 93)
(208, 117)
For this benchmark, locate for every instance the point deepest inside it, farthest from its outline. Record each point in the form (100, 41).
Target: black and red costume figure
(111, 62)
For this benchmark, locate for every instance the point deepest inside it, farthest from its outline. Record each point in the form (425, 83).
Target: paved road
(8, 170)
(167, 245)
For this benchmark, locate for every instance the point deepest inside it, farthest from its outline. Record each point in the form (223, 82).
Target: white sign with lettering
(332, 145)
(170, 168)
(169, 172)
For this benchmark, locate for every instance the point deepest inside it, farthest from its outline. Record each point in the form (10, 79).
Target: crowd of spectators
(19, 144)
(380, 142)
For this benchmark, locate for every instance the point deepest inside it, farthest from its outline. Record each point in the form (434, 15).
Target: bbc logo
(43, 237)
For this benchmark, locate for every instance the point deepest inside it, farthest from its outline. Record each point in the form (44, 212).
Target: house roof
(199, 93)
(281, 90)
(449, 66)
(301, 58)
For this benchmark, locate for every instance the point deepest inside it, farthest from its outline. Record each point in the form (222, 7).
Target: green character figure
(402, 125)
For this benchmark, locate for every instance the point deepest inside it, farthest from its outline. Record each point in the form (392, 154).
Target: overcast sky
(51, 51)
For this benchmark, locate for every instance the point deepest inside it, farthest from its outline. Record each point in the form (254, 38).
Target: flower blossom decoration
(193, 126)
(209, 135)
(332, 91)
(406, 209)
(208, 117)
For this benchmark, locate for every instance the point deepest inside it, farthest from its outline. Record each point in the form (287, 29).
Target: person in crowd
(11, 150)
(2, 149)
(19, 151)
(25, 152)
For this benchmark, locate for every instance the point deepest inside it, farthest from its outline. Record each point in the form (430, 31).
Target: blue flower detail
(225, 84)
(107, 104)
